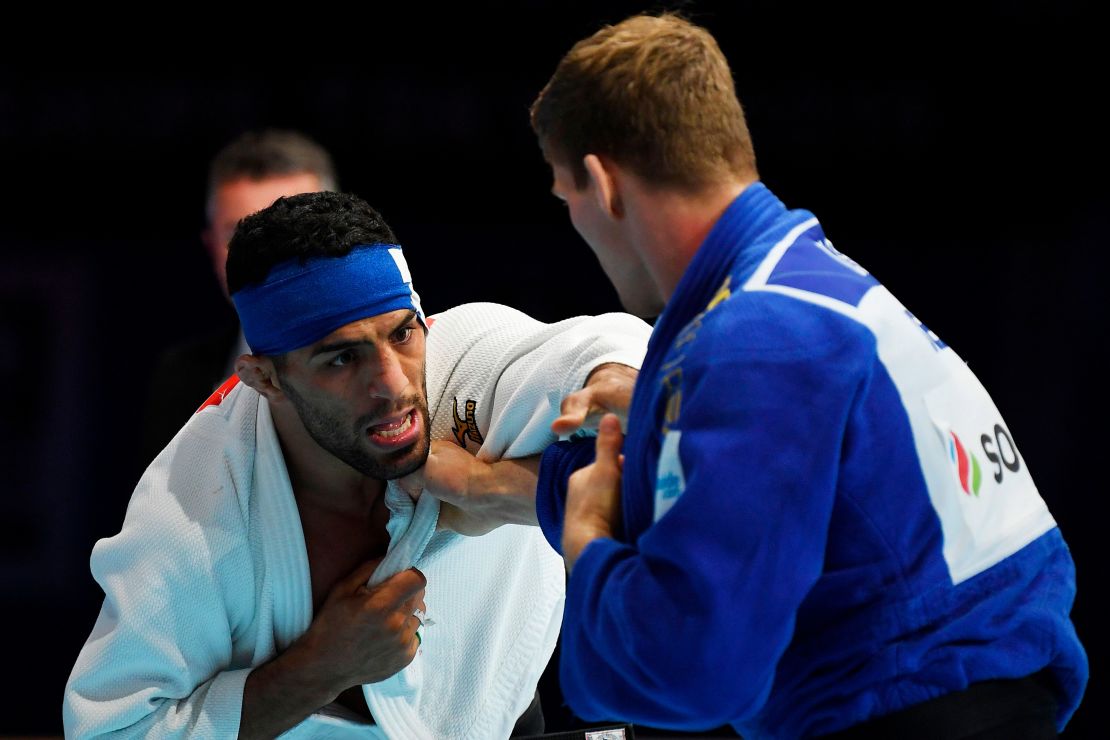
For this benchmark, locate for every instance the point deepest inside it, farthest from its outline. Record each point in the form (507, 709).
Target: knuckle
(370, 612)
(396, 623)
(576, 398)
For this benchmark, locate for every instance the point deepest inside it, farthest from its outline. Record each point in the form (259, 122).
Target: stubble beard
(350, 446)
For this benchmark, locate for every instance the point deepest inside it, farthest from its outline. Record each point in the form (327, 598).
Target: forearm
(477, 496)
(280, 694)
(510, 485)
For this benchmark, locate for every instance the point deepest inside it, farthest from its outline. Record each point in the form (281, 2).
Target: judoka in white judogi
(209, 576)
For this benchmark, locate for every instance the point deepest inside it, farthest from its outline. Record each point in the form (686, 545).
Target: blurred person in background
(247, 175)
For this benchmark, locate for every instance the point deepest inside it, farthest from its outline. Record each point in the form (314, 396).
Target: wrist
(575, 539)
(311, 682)
(278, 695)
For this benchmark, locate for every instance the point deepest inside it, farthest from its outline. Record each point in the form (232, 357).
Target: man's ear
(259, 373)
(606, 179)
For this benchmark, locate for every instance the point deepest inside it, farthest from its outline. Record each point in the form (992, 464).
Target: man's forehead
(368, 328)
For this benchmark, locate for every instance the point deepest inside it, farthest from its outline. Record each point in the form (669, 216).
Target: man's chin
(384, 464)
(403, 468)
(397, 464)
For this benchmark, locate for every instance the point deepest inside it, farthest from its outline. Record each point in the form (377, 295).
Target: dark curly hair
(301, 227)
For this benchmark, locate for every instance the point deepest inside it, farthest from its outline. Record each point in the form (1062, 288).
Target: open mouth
(396, 431)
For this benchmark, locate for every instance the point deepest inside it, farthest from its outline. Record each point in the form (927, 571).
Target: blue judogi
(825, 518)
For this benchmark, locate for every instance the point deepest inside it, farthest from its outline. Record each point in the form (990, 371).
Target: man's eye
(341, 359)
(402, 335)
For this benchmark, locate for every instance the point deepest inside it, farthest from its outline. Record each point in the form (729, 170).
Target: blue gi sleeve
(559, 461)
(683, 627)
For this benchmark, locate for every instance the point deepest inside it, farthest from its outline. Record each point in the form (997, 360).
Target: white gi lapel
(285, 557)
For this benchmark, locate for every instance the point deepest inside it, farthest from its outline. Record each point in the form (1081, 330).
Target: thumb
(413, 483)
(357, 578)
(609, 440)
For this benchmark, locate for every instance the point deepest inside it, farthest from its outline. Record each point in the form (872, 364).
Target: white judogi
(209, 576)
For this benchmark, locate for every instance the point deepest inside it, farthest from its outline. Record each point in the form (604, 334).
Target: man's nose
(388, 378)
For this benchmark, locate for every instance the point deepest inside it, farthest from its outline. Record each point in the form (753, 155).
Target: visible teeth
(401, 429)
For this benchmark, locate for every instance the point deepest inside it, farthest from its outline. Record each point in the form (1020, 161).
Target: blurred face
(360, 393)
(236, 199)
(608, 238)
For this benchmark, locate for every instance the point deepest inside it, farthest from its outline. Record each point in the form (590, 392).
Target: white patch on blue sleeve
(670, 480)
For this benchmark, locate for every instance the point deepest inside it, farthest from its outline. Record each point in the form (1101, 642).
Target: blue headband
(298, 304)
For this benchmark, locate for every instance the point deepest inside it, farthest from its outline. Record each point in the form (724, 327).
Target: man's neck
(671, 226)
(319, 479)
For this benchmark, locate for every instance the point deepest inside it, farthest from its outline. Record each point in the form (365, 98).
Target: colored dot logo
(967, 465)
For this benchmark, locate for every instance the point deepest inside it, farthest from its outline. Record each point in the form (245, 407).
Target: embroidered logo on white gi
(670, 480)
(467, 428)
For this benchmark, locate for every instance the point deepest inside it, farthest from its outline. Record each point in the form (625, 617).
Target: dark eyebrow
(338, 346)
(408, 317)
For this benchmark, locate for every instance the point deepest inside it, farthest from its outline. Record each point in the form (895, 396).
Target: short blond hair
(655, 94)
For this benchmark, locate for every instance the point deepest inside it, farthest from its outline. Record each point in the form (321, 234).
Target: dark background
(971, 182)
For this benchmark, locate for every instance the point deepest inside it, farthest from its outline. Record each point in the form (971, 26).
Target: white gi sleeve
(177, 581)
(485, 351)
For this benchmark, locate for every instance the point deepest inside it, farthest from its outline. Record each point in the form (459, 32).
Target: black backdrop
(975, 192)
